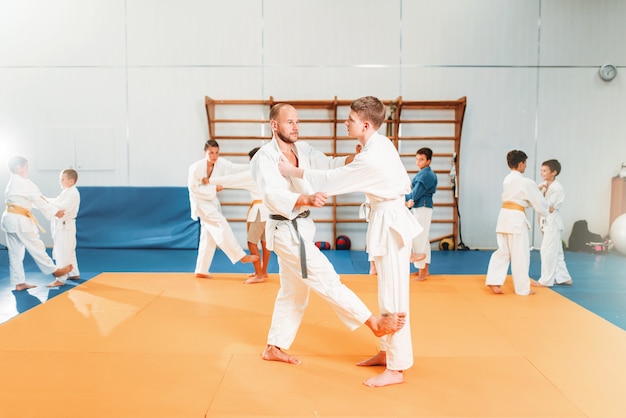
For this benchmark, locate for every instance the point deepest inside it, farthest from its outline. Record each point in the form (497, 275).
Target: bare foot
(495, 289)
(567, 283)
(379, 359)
(254, 279)
(249, 258)
(74, 278)
(537, 284)
(62, 271)
(386, 378)
(24, 286)
(203, 276)
(56, 283)
(420, 276)
(417, 257)
(386, 324)
(273, 353)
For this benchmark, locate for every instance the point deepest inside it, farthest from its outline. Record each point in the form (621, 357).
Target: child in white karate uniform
(553, 268)
(64, 228)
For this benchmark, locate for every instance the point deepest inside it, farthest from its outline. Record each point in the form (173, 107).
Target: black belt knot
(304, 214)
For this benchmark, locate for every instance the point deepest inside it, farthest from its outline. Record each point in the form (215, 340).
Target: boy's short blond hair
(71, 174)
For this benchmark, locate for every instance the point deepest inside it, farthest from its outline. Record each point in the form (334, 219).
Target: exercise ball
(323, 245)
(343, 243)
(618, 233)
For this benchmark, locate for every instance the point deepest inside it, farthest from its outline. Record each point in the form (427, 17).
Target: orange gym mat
(169, 345)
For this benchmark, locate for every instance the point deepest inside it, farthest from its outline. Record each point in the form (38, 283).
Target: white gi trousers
(293, 295)
(19, 240)
(421, 243)
(553, 268)
(64, 249)
(513, 248)
(215, 231)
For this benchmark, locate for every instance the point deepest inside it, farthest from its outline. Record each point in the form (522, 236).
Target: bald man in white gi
(290, 233)
(378, 172)
(205, 205)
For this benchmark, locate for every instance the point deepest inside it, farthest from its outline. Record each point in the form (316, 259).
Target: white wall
(116, 87)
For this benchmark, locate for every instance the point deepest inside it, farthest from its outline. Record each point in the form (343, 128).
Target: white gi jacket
(69, 201)
(523, 191)
(244, 180)
(378, 172)
(555, 195)
(24, 193)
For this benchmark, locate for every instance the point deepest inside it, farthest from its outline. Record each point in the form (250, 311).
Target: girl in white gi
(518, 192)
(290, 233)
(21, 226)
(553, 268)
(64, 228)
(378, 172)
(214, 228)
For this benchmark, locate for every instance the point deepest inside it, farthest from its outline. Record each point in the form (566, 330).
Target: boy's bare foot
(250, 258)
(420, 276)
(386, 324)
(496, 289)
(273, 353)
(62, 271)
(74, 278)
(537, 284)
(417, 257)
(379, 359)
(567, 283)
(254, 279)
(386, 378)
(56, 283)
(203, 276)
(24, 286)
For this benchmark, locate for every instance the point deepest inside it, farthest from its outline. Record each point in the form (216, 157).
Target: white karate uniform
(553, 268)
(64, 231)
(22, 233)
(421, 243)
(214, 228)
(512, 233)
(280, 195)
(378, 172)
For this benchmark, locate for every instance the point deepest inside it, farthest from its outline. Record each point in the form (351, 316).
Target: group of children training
(22, 228)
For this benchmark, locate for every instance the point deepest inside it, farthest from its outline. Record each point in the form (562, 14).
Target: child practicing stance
(64, 228)
(21, 226)
(518, 192)
(553, 268)
(423, 187)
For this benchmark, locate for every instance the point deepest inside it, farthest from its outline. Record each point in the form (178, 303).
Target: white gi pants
(64, 250)
(421, 243)
(18, 243)
(293, 295)
(224, 238)
(513, 248)
(553, 268)
(393, 296)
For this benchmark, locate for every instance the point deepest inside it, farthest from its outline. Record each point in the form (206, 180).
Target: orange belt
(11, 208)
(254, 202)
(512, 205)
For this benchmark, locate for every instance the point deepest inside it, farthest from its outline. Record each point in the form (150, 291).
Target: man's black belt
(304, 214)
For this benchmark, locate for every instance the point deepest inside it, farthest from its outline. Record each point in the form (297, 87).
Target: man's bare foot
(386, 378)
(250, 258)
(567, 283)
(417, 257)
(379, 359)
(254, 279)
(24, 286)
(56, 283)
(273, 353)
(386, 324)
(497, 289)
(62, 271)
(203, 276)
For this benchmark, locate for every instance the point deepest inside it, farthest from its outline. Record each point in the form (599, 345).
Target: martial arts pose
(423, 187)
(63, 229)
(553, 268)
(214, 228)
(21, 226)
(518, 192)
(290, 233)
(378, 172)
